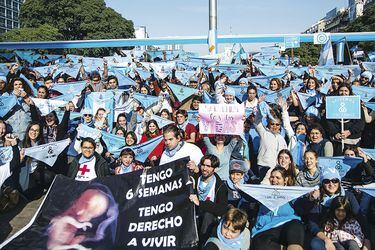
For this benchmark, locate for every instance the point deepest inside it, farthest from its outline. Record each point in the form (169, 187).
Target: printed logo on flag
(321, 38)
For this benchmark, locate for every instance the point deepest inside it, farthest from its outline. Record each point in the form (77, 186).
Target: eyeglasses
(275, 124)
(333, 181)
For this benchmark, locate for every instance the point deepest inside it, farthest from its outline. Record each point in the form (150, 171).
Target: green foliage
(365, 23)
(308, 53)
(44, 32)
(76, 20)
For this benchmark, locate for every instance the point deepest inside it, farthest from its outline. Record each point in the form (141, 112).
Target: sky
(190, 18)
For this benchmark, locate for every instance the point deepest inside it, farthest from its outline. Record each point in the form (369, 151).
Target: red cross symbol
(84, 169)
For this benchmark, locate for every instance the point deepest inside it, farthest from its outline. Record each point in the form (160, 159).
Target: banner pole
(342, 131)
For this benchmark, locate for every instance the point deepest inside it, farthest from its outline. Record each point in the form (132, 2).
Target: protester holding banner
(176, 147)
(284, 227)
(89, 164)
(231, 233)
(211, 196)
(353, 128)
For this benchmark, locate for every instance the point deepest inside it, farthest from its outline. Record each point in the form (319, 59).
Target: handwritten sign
(224, 119)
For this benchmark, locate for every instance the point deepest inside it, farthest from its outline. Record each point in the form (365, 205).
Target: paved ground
(12, 221)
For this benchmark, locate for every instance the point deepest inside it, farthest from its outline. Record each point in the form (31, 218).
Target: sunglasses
(87, 115)
(275, 124)
(333, 181)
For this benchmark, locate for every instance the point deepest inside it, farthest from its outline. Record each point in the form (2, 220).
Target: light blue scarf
(328, 199)
(204, 191)
(84, 159)
(234, 244)
(172, 152)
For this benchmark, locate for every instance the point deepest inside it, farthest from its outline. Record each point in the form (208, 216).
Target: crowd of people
(281, 143)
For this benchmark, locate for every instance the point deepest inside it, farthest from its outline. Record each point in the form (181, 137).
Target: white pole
(212, 26)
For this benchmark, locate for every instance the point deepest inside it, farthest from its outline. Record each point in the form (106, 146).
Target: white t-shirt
(187, 149)
(4, 173)
(86, 171)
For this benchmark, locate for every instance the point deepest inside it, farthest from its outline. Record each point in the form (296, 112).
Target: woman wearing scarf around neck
(330, 188)
(310, 174)
(284, 227)
(127, 162)
(231, 233)
(153, 131)
(88, 165)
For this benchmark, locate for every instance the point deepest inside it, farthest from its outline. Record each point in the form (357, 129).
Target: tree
(308, 53)
(44, 32)
(77, 20)
(363, 24)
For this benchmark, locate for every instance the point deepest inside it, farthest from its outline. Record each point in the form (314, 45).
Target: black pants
(291, 233)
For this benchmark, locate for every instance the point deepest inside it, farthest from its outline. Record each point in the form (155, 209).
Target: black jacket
(101, 166)
(219, 207)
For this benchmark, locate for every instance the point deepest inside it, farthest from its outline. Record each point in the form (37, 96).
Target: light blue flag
(325, 88)
(306, 100)
(369, 152)
(162, 122)
(369, 189)
(7, 56)
(85, 131)
(73, 115)
(271, 70)
(146, 100)
(273, 196)
(74, 88)
(96, 100)
(263, 91)
(299, 71)
(233, 77)
(342, 163)
(123, 80)
(207, 98)
(113, 142)
(184, 76)
(33, 89)
(264, 81)
(274, 97)
(6, 155)
(297, 153)
(182, 92)
(69, 69)
(241, 92)
(6, 104)
(143, 73)
(27, 56)
(47, 153)
(230, 67)
(44, 71)
(44, 61)
(370, 105)
(142, 151)
(192, 117)
(53, 57)
(4, 69)
(366, 93)
(248, 112)
(326, 55)
(66, 97)
(297, 84)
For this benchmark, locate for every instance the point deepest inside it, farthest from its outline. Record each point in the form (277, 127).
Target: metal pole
(340, 50)
(212, 32)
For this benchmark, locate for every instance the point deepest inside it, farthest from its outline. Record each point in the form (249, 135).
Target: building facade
(9, 13)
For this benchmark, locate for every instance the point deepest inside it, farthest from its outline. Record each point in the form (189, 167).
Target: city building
(9, 13)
